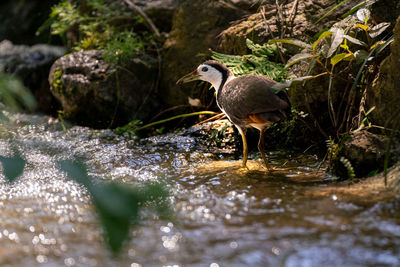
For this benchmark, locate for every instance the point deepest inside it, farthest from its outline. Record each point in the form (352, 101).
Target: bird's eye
(205, 69)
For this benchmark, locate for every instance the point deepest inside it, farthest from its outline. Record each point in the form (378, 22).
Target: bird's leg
(261, 149)
(245, 149)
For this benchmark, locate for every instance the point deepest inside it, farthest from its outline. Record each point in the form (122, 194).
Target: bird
(247, 101)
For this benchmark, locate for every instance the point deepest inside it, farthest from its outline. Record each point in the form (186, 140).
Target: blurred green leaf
(14, 95)
(117, 205)
(13, 166)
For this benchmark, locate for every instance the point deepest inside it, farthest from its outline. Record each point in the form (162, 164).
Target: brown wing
(251, 94)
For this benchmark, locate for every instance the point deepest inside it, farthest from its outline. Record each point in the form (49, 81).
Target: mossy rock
(96, 94)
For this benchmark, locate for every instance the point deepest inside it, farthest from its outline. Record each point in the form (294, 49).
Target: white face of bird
(210, 74)
(206, 73)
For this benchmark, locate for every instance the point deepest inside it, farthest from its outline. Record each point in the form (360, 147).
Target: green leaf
(378, 29)
(338, 36)
(13, 166)
(339, 57)
(320, 38)
(362, 26)
(14, 95)
(298, 57)
(354, 40)
(117, 205)
(292, 42)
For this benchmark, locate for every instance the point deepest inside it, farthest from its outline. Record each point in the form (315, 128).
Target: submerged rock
(32, 65)
(96, 94)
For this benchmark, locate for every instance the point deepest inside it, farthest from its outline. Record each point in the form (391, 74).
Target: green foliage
(350, 170)
(217, 136)
(57, 83)
(285, 132)
(348, 46)
(118, 206)
(256, 63)
(122, 47)
(96, 24)
(14, 95)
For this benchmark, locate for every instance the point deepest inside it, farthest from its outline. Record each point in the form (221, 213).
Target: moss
(57, 83)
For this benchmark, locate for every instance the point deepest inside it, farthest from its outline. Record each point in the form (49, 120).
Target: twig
(144, 16)
(293, 12)
(273, 36)
(362, 103)
(330, 104)
(218, 116)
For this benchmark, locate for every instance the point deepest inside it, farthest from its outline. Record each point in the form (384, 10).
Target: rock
(32, 65)
(265, 25)
(384, 92)
(96, 94)
(20, 20)
(196, 25)
(365, 151)
(385, 11)
(159, 11)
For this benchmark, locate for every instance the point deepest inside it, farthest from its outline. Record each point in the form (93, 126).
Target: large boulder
(267, 24)
(384, 92)
(32, 65)
(99, 95)
(196, 24)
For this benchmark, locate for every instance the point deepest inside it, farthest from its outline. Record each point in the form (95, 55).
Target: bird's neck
(219, 83)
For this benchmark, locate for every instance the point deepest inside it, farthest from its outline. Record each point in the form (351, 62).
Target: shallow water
(223, 215)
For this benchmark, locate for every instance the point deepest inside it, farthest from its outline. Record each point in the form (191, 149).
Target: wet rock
(96, 94)
(365, 151)
(20, 20)
(32, 65)
(384, 92)
(196, 25)
(216, 136)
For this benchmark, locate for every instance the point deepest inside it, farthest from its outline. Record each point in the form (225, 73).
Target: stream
(223, 215)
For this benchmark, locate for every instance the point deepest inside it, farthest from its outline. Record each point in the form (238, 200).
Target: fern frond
(256, 63)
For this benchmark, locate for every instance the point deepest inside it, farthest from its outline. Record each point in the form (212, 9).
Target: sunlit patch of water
(224, 215)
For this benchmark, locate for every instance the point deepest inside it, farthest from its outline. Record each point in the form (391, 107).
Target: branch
(144, 16)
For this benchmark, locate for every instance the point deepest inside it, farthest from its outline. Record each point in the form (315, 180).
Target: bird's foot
(271, 169)
(244, 166)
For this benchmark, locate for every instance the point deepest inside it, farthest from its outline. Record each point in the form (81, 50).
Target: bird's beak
(193, 76)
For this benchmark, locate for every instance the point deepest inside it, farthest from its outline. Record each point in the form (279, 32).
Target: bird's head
(210, 71)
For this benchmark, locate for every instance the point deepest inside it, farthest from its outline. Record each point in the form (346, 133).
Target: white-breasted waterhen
(247, 101)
